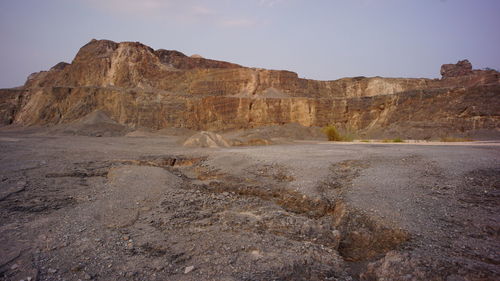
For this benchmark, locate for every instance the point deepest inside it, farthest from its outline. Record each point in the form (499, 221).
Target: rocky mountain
(141, 87)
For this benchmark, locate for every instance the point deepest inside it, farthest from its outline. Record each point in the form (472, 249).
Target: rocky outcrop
(178, 60)
(60, 66)
(461, 68)
(140, 87)
(10, 104)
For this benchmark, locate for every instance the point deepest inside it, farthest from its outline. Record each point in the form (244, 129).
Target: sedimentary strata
(138, 86)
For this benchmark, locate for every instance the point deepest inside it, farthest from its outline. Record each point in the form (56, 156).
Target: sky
(318, 39)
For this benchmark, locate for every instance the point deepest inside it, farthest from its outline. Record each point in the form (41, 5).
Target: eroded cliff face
(138, 86)
(10, 104)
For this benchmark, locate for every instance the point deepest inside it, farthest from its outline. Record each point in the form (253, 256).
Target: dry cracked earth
(123, 208)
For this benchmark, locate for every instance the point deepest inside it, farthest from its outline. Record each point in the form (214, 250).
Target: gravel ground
(146, 208)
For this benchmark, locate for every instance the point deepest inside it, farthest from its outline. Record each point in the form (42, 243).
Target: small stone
(188, 269)
(14, 266)
(77, 268)
(87, 276)
(131, 273)
(126, 238)
(51, 270)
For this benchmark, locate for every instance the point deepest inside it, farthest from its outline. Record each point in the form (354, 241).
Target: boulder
(206, 139)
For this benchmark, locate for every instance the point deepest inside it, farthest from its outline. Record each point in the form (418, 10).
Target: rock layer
(140, 87)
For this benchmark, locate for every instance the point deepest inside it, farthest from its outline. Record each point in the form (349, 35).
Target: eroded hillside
(140, 87)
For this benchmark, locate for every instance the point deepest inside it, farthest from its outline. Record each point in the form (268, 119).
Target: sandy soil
(146, 208)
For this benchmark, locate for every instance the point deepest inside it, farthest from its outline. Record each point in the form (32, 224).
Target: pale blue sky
(318, 39)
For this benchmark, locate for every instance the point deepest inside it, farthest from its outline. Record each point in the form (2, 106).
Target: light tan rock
(206, 139)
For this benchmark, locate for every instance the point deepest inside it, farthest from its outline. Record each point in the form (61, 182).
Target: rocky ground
(146, 208)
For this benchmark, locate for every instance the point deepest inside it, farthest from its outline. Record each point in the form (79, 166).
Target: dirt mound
(95, 124)
(206, 139)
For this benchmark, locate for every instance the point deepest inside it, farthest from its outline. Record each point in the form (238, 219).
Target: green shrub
(393, 140)
(331, 133)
